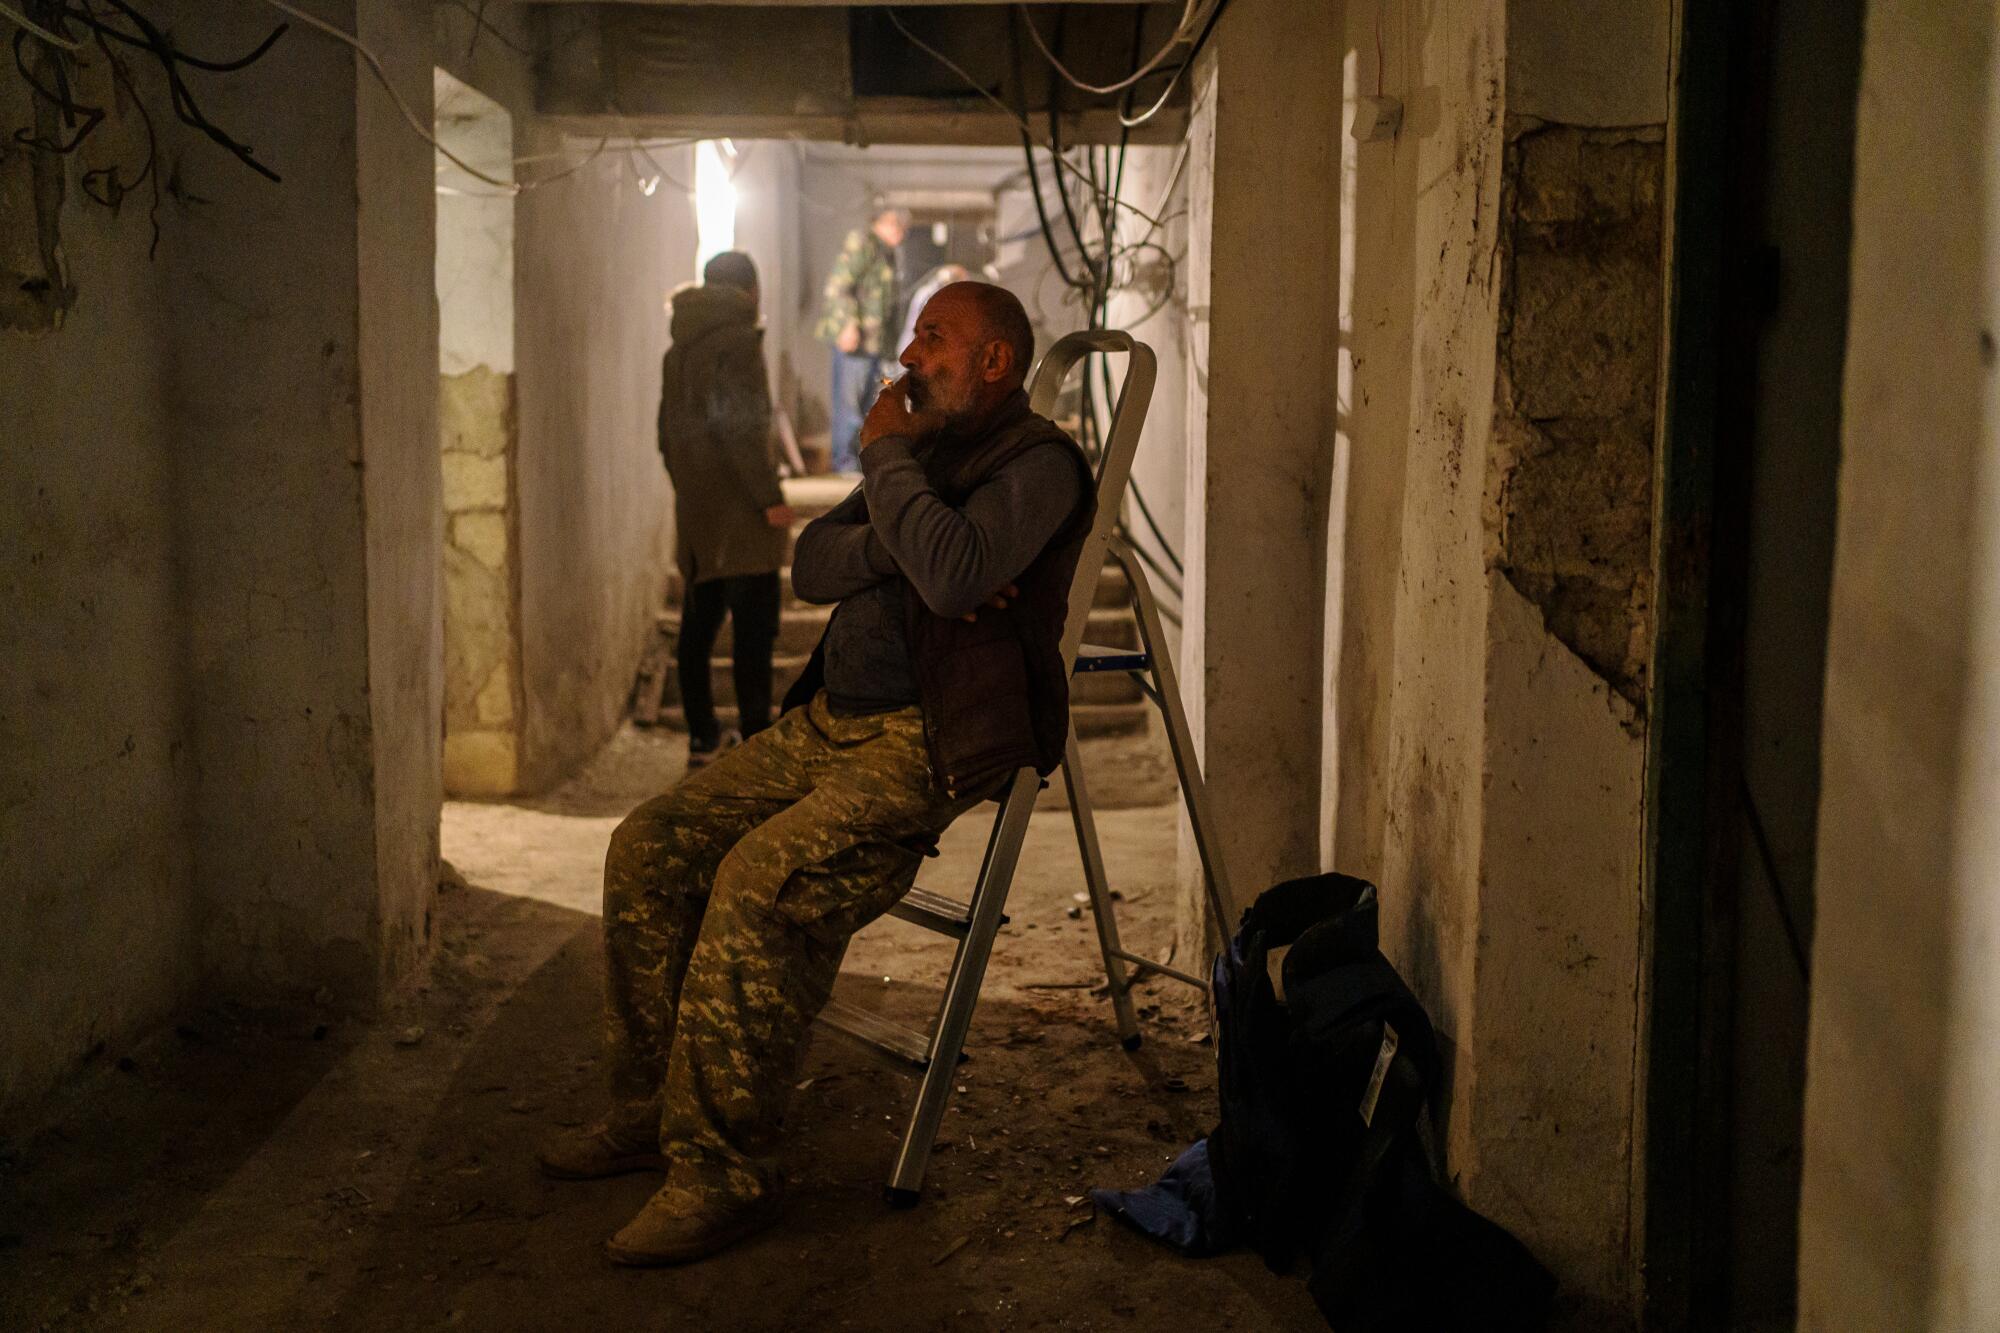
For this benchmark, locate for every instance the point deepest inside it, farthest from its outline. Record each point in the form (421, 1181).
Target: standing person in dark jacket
(729, 511)
(729, 901)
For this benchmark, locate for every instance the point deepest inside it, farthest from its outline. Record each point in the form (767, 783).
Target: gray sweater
(895, 537)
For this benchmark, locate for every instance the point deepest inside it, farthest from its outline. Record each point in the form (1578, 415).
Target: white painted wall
(767, 229)
(1159, 470)
(597, 257)
(1901, 1209)
(475, 232)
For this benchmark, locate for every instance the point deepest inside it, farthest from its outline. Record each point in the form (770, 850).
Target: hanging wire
(22, 21)
(1180, 35)
(416, 123)
(52, 82)
(103, 184)
(1132, 122)
(986, 93)
(1794, 938)
(1098, 277)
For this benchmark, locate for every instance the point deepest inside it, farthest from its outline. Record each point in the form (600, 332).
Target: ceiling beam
(872, 121)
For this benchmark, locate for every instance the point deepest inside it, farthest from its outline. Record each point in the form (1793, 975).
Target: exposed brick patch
(1570, 487)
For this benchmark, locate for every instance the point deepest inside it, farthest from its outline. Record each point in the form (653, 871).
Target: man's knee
(742, 886)
(652, 848)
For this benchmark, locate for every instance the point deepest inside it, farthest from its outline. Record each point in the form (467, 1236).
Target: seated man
(729, 901)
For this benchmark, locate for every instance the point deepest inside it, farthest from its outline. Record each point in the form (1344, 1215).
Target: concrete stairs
(1107, 704)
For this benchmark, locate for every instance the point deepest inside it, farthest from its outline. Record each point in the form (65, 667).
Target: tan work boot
(600, 1150)
(676, 1227)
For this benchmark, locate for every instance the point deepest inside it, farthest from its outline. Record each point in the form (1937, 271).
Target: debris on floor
(257, 1177)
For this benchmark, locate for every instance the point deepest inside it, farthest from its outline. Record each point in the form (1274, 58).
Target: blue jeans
(854, 388)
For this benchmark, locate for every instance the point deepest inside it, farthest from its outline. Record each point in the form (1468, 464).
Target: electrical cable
(1100, 280)
(1181, 30)
(1777, 886)
(1034, 175)
(1134, 122)
(1062, 190)
(977, 87)
(102, 184)
(1173, 584)
(1146, 242)
(149, 173)
(480, 23)
(368, 57)
(152, 38)
(22, 21)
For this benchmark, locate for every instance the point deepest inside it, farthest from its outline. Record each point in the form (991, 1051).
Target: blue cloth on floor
(1179, 1208)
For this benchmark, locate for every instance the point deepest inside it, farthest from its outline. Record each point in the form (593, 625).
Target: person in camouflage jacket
(859, 318)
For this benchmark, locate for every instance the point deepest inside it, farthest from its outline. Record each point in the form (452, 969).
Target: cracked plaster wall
(1570, 479)
(1487, 609)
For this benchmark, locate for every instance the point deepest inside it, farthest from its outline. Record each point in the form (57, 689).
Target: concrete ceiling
(839, 73)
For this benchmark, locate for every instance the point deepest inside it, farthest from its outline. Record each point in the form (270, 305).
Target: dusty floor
(257, 1171)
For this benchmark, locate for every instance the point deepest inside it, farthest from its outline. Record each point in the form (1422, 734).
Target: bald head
(996, 315)
(1003, 320)
(972, 347)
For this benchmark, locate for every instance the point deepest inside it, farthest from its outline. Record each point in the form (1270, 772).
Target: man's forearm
(958, 557)
(836, 559)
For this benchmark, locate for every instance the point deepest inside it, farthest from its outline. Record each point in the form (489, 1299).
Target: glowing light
(714, 203)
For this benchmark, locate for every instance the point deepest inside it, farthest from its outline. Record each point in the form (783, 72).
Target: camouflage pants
(728, 904)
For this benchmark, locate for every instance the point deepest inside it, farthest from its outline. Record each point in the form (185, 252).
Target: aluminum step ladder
(974, 923)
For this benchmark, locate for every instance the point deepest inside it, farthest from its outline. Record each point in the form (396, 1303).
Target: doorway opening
(476, 440)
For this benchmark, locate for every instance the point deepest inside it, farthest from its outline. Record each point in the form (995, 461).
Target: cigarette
(887, 381)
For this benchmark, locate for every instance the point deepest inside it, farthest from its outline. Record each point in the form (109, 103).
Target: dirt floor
(250, 1170)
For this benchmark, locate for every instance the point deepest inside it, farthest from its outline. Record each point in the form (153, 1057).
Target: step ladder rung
(1094, 657)
(935, 911)
(1142, 965)
(884, 1034)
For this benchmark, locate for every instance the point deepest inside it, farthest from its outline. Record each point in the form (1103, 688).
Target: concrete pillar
(303, 401)
(1261, 272)
(395, 240)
